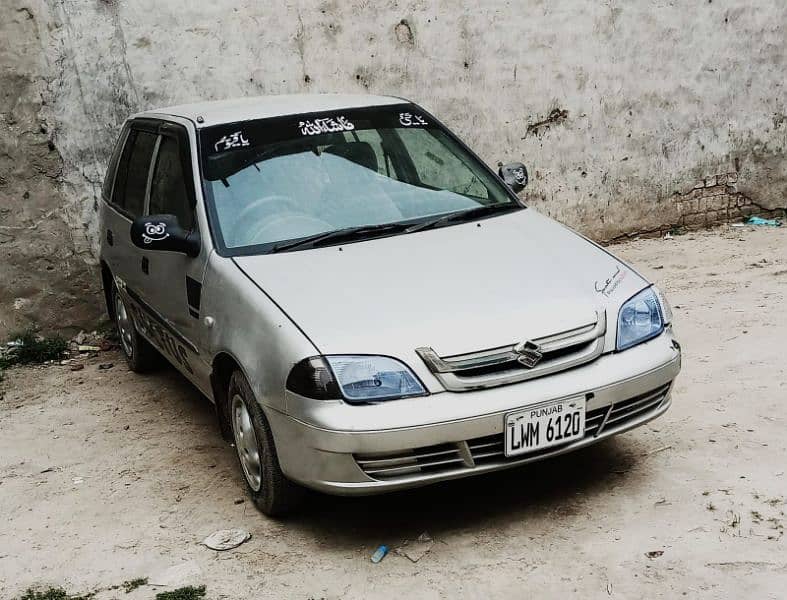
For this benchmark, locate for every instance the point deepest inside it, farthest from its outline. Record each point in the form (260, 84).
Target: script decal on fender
(155, 232)
(325, 125)
(609, 285)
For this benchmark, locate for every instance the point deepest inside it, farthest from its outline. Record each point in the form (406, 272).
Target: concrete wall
(619, 108)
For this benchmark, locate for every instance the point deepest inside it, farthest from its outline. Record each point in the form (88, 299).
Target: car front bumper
(354, 450)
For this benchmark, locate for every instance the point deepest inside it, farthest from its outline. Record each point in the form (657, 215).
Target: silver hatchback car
(367, 304)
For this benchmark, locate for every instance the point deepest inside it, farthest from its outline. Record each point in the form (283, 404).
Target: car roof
(205, 114)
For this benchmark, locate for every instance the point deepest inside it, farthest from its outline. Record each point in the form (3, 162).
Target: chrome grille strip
(416, 466)
(456, 383)
(454, 373)
(485, 358)
(489, 454)
(575, 336)
(629, 407)
(379, 462)
(655, 403)
(595, 417)
(475, 447)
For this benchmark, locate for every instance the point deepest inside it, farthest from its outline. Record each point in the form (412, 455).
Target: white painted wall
(658, 94)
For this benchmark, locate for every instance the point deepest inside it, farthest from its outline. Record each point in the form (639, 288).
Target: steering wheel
(250, 230)
(261, 202)
(300, 225)
(245, 219)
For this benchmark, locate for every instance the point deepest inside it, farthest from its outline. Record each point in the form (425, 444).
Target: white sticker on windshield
(233, 140)
(326, 125)
(409, 119)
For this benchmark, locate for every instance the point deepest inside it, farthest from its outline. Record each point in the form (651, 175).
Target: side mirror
(515, 176)
(163, 232)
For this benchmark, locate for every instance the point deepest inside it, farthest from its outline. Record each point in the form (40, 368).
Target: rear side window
(109, 178)
(132, 176)
(168, 188)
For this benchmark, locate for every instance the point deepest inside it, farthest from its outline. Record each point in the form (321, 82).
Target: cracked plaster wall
(619, 109)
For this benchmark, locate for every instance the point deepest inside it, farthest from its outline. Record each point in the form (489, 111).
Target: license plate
(543, 426)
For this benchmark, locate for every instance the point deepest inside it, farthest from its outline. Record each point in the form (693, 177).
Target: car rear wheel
(140, 355)
(271, 491)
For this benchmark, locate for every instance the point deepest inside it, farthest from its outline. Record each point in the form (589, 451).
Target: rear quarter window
(109, 177)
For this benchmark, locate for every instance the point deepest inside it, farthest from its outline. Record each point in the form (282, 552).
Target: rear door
(127, 202)
(108, 213)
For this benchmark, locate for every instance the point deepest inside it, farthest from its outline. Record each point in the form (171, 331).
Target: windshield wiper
(348, 233)
(365, 231)
(463, 215)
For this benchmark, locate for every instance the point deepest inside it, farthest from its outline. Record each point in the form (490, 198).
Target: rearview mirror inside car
(515, 175)
(163, 232)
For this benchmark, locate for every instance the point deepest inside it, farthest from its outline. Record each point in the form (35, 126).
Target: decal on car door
(163, 335)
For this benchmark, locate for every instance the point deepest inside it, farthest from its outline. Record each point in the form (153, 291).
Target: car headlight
(640, 318)
(355, 378)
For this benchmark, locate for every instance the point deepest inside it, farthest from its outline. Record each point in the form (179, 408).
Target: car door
(172, 282)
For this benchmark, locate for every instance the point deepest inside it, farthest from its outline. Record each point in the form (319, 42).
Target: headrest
(361, 153)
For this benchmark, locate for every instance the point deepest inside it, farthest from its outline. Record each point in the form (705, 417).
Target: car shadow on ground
(560, 487)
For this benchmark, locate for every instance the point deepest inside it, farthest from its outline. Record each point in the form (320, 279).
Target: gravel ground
(106, 476)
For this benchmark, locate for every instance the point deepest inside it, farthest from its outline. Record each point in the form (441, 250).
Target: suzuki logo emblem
(529, 354)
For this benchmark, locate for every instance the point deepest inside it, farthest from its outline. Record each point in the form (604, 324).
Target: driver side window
(437, 167)
(169, 193)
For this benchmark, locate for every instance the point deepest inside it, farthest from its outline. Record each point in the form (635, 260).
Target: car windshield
(271, 182)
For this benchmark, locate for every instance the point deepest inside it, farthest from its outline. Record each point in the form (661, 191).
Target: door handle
(145, 265)
(110, 238)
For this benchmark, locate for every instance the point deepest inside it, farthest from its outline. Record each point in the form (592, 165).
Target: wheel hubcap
(125, 326)
(246, 443)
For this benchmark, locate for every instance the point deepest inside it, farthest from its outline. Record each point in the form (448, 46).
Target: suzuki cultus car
(369, 306)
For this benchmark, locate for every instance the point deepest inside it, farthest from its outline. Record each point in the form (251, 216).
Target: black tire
(271, 491)
(140, 355)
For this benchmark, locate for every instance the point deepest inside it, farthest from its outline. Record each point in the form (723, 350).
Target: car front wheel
(272, 492)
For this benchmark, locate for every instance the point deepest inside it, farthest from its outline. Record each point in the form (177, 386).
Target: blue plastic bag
(761, 221)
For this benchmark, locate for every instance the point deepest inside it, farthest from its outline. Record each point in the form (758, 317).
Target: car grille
(488, 450)
(500, 366)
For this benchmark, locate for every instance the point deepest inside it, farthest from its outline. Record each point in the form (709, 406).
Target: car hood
(458, 289)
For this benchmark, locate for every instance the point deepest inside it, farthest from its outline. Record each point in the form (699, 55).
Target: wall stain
(364, 76)
(404, 33)
(556, 116)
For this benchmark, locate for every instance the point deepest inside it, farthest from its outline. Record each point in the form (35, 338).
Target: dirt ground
(107, 476)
